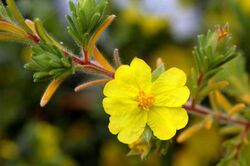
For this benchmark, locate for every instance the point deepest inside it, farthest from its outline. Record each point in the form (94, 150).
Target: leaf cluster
(12, 24)
(210, 55)
(218, 66)
(235, 73)
(15, 15)
(49, 62)
(86, 17)
(5, 13)
(233, 156)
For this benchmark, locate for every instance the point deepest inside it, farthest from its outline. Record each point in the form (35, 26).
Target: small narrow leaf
(147, 134)
(102, 60)
(186, 134)
(90, 84)
(18, 16)
(99, 31)
(13, 38)
(11, 28)
(44, 35)
(158, 71)
(223, 101)
(51, 89)
(212, 87)
(31, 25)
(236, 109)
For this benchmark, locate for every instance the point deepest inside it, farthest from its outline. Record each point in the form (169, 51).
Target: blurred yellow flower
(245, 5)
(149, 24)
(134, 101)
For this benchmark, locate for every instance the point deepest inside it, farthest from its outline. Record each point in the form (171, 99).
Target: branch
(86, 63)
(219, 116)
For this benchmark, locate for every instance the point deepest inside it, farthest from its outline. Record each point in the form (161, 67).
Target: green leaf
(94, 21)
(235, 73)
(5, 13)
(247, 114)
(75, 36)
(228, 160)
(158, 71)
(86, 17)
(56, 71)
(17, 15)
(55, 64)
(6, 36)
(32, 66)
(49, 62)
(45, 36)
(147, 134)
(232, 129)
(244, 159)
(210, 56)
(73, 27)
(40, 75)
(66, 62)
(212, 73)
(164, 147)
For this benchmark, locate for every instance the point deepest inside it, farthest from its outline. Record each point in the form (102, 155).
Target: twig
(219, 116)
(85, 62)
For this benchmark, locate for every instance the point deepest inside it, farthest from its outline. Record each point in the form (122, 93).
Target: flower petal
(129, 80)
(118, 106)
(129, 125)
(171, 98)
(119, 121)
(124, 85)
(170, 79)
(165, 121)
(142, 74)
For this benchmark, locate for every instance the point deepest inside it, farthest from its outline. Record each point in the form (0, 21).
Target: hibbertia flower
(133, 101)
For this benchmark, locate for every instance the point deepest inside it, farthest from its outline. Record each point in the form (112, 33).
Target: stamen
(145, 101)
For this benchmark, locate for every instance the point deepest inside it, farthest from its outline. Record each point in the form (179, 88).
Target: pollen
(145, 101)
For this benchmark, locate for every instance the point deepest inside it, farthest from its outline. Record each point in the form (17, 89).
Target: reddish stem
(34, 38)
(83, 62)
(219, 116)
(200, 79)
(86, 56)
(78, 60)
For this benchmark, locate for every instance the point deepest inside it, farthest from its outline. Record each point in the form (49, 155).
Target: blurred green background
(72, 129)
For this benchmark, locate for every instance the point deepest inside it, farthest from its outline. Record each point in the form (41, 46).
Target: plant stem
(34, 38)
(89, 64)
(77, 60)
(243, 135)
(93, 66)
(219, 116)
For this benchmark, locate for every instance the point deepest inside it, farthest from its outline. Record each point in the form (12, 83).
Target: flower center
(145, 100)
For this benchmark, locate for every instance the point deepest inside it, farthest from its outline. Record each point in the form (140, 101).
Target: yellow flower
(134, 101)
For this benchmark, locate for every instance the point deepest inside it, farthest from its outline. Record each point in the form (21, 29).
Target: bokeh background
(72, 129)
